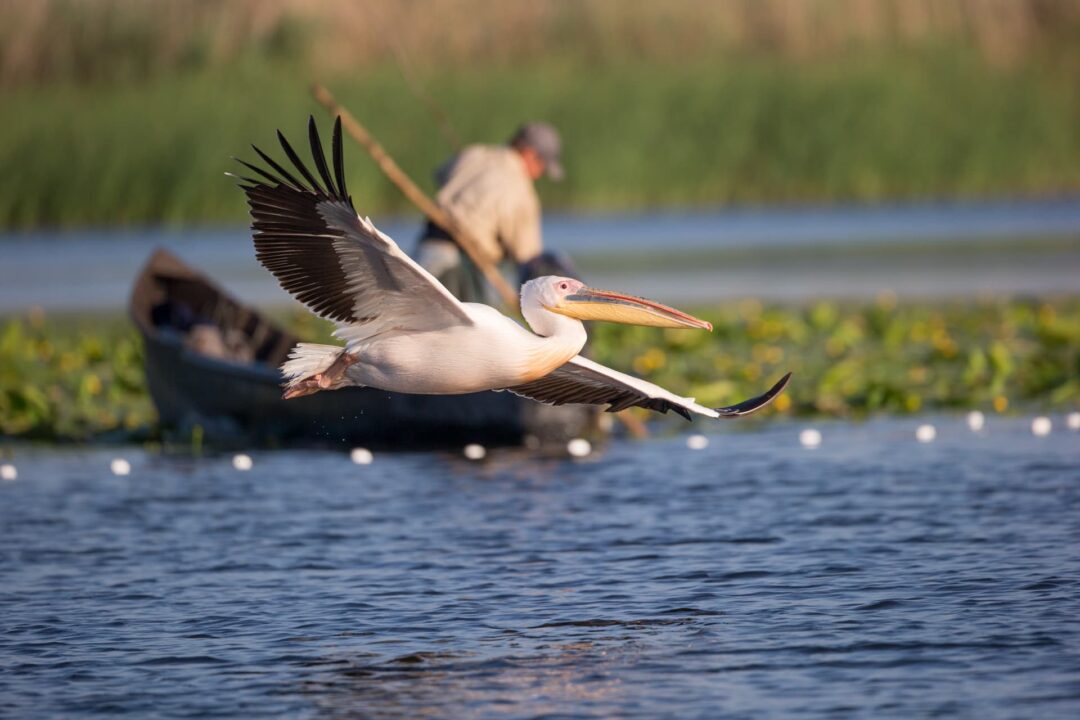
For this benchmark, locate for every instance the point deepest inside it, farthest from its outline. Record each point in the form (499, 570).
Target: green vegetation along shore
(68, 380)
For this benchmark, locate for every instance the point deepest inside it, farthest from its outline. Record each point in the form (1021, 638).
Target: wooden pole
(413, 192)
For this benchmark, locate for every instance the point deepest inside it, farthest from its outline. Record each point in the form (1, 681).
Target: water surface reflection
(874, 575)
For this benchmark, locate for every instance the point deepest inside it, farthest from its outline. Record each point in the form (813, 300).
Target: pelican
(404, 332)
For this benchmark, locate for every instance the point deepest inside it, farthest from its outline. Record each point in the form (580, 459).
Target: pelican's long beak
(589, 304)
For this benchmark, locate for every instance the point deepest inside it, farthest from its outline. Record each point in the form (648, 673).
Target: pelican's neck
(547, 324)
(560, 338)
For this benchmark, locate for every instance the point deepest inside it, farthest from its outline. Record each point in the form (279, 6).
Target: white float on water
(8, 472)
(361, 456)
(1072, 421)
(976, 421)
(1041, 426)
(120, 466)
(242, 462)
(697, 442)
(810, 438)
(579, 447)
(925, 433)
(474, 451)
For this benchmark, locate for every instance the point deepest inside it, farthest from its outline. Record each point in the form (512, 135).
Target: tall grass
(636, 135)
(95, 40)
(125, 111)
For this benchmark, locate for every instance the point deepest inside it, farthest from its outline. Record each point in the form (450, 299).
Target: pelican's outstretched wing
(338, 264)
(586, 382)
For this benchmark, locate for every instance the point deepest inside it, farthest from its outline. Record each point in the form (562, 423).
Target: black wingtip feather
(747, 407)
(292, 238)
(262, 173)
(296, 184)
(339, 160)
(319, 156)
(299, 164)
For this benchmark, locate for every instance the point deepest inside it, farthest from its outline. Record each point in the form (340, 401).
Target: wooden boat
(212, 363)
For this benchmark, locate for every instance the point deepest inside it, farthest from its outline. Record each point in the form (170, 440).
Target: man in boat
(489, 190)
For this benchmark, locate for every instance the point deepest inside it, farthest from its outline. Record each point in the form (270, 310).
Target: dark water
(872, 577)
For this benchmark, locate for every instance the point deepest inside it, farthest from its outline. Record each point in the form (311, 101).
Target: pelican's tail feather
(312, 367)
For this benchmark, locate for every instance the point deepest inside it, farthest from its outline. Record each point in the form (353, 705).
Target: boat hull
(231, 402)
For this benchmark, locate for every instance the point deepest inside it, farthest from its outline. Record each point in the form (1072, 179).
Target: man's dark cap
(545, 140)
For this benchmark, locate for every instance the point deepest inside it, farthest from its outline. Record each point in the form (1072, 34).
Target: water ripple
(863, 579)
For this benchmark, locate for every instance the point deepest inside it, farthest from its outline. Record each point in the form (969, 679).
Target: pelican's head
(569, 297)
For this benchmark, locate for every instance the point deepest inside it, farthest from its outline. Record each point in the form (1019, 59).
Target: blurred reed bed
(636, 135)
(100, 40)
(120, 112)
(67, 380)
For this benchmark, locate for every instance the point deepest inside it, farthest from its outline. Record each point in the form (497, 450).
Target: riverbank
(70, 379)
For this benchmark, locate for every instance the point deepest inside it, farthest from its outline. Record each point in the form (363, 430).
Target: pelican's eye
(564, 286)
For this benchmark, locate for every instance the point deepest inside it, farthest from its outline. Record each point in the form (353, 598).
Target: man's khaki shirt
(486, 189)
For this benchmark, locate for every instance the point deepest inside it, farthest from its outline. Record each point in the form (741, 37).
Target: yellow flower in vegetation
(91, 384)
(650, 360)
(69, 362)
(944, 344)
(782, 403)
(1001, 403)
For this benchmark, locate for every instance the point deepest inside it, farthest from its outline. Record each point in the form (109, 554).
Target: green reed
(637, 135)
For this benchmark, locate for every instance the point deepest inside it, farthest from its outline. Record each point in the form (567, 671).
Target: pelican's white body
(488, 352)
(493, 352)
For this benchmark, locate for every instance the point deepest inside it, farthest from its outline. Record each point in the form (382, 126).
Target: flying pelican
(404, 332)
